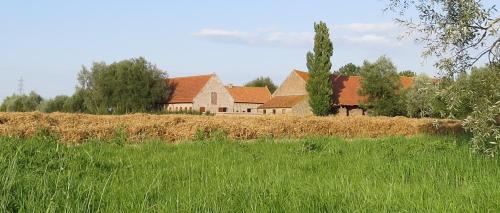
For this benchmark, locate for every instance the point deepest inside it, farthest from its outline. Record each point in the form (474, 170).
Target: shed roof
(185, 89)
(283, 101)
(345, 89)
(258, 95)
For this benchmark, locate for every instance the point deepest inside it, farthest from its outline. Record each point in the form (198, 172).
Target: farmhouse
(207, 93)
(248, 99)
(291, 96)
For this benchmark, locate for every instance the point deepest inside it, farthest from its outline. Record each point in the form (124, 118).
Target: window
(283, 111)
(264, 112)
(274, 111)
(222, 109)
(190, 108)
(249, 110)
(202, 109)
(176, 108)
(213, 98)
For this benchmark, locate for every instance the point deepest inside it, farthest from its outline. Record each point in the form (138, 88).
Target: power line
(20, 86)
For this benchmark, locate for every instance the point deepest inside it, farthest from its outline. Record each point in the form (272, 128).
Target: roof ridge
(191, 76)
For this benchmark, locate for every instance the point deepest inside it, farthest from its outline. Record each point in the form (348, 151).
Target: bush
(422, 98)
(54, 105)
(484, 124)
(21, 103)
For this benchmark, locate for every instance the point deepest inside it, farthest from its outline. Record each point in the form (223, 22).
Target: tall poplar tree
(318, 63)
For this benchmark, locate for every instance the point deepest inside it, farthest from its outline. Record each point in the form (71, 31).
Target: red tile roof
(283, 101)
(302, 74)
(258, 95)
(186, 88)
(345, 89)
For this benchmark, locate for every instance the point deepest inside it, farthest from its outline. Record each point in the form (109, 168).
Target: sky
(47, 42)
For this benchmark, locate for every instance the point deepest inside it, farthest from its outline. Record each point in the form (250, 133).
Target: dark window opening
(222, 109)
(202, 109)
(249, 110)
(274, 111)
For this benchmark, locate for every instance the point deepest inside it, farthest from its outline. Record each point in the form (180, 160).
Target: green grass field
(424, 173)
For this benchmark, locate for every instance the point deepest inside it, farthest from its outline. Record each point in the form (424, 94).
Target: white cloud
(367, 39)
(384, 34)
(259, 37)
(366, 27)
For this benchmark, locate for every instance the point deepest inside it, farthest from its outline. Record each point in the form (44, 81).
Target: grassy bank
(423, 173)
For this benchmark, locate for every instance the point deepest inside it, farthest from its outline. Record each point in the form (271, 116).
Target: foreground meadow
(420, 173)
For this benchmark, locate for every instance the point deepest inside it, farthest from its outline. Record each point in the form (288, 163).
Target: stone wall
(243, 108)
(179, 107)
(224, 99)
(302, 108)
(293, 85)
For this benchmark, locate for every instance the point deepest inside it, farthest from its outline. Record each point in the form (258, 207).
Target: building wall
(352, 110)
(302, 108)
(179, 107)
(243, 107)
(293, 85)
(278, 111)
(203, 99)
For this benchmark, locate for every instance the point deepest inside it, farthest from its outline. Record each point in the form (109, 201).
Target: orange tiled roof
(302, 74)
(406, 81)
(345, 89)
(258, 95)
(283, 101)
(186, 88)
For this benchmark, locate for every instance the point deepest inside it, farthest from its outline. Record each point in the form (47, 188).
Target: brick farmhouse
(207, 93)
(291, 97)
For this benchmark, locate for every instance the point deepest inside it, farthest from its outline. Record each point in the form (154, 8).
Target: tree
(349, 70)
(76, 103)
(262, 82)
(381, 85)
(319, 86)
(407, 73)
(458, 33)
(54, 105)
(21, 103)
(421, 98)
(128, 86)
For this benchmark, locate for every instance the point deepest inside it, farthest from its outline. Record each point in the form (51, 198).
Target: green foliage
(319, 86)
(484, 123)
(407, 73)
(400, 174)
(381, 85)
(349, 70)
(21, 103)
(471, 89)
(262, 82)
(54, 105)
(76, 103)
(128, 86)
(458, 33)
(422, 98)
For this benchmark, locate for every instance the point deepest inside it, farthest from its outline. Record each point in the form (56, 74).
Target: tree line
(128, 86)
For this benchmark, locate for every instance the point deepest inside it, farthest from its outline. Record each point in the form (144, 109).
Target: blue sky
(47, 42)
